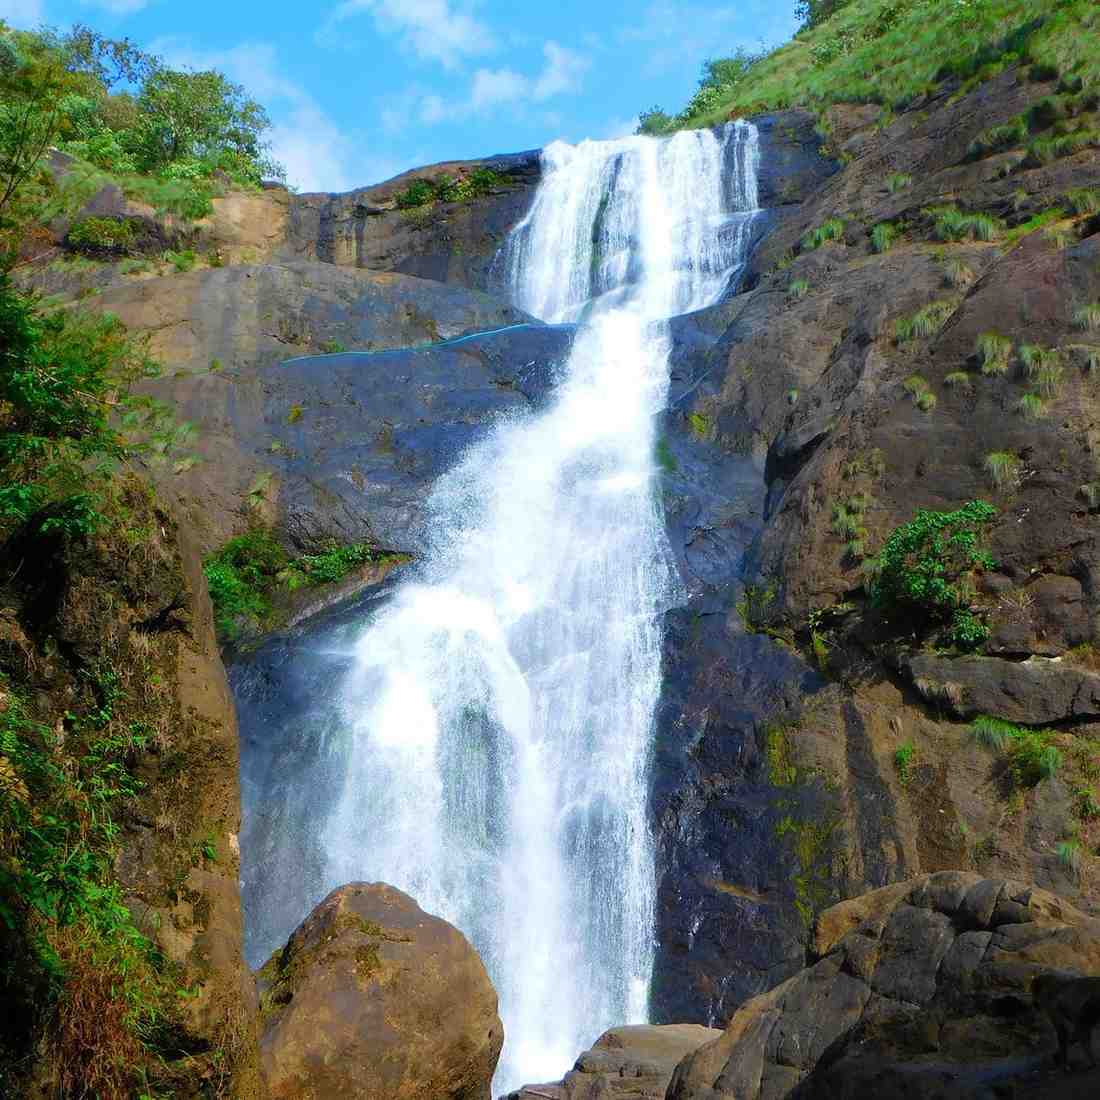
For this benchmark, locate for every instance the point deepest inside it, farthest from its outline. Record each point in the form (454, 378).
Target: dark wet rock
(923, 989)
(374, 999)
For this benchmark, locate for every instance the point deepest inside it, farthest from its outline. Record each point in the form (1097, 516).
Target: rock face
(373, 999)
(633, 1062)
(453, 242)
(775, 794)
(923, 989)
(140, 610)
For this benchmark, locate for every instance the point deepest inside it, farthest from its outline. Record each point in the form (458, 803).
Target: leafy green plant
(898, 181)
(64, 380)
(883, 236)
(925, 322)
(832, 229)
(904, 756)
(994, 351)
(1033, 758)
(949, 223)
(99, 235)
(1083, 201)
(957, 272)
(1003, 469)
(1087, 317)
(924, 571)
(1031, 406)
(993, 733)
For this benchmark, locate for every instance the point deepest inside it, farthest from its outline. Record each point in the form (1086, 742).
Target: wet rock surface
(923, 989)
(374, 999)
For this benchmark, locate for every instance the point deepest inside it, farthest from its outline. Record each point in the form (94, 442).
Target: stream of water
(498, 714)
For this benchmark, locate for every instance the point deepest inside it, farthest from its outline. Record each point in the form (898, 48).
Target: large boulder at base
(923, 992)
(374, 999)
(635, 1061)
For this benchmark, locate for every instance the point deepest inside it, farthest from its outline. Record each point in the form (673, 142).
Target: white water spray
(502, 703)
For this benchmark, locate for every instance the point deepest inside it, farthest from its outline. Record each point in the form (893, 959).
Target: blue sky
(362, 89)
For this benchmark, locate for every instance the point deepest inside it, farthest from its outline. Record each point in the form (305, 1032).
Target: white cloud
(435, 30)
(562, 72)
(22, 13)
(318, 155)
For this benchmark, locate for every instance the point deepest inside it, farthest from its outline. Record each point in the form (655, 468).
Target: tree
(654, 122)
(200, 115)
(814, 12)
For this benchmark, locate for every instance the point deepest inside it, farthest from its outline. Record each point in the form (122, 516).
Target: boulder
(374, 999)
(634, 1061)
(1037, 691)
(923, 990)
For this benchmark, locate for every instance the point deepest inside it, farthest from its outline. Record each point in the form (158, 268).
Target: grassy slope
(890, 51)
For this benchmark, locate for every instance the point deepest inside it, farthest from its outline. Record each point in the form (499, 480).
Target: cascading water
(499, 713)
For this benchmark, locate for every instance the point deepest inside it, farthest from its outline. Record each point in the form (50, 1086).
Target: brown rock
(925, 992)
(374, 999)
(635, 1061)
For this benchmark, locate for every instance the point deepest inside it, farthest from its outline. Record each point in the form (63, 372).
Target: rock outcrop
(121, 623)
(625, 1063)
(374, 999)
(923, 989)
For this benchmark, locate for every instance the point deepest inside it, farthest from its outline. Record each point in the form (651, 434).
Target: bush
(1003, 469)
(832, 229)
(98, 235)
(924, 323)
(994, 352)
(883, 236)
(924, 571)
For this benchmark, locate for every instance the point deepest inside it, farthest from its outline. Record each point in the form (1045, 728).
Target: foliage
(1031, 406)
(655, 122)
(421, 192)
(96, 235)
(1003, 469)
(67, 412)
(949, 223)
(923, 572)
(959, 379)
(832, 229)
(91, 980)
(898, 181)
(797, 289)
(754, 606)
(903, 761)
(893, 52)
(883, 236)
(993, 733)
(994, 352)
(1083, 201)
(244, 575)
(957, 272)
(1087, 317)
(926, 322)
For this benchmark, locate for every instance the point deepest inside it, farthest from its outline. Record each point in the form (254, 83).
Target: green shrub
(1035, 359)
(1049, 378)
(993, 733)
(898, 181)
(832, 229)
(959, 379)
(418, 193)
(1069, 854)
(957, 272)
(925, 322)
(797, 289)
(1005, 136)
(1087, 317)
(244, 575)
(994, 351)
(332, 347)
(1033, 758)
(1003, 469)
(883, 236)
(1031, 407)
(1083, 201)
(949, 223)
(96, 235)
(181, 261)
(925, 568)
(903, 761)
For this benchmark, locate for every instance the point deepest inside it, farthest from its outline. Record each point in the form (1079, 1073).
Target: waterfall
(498, 715)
